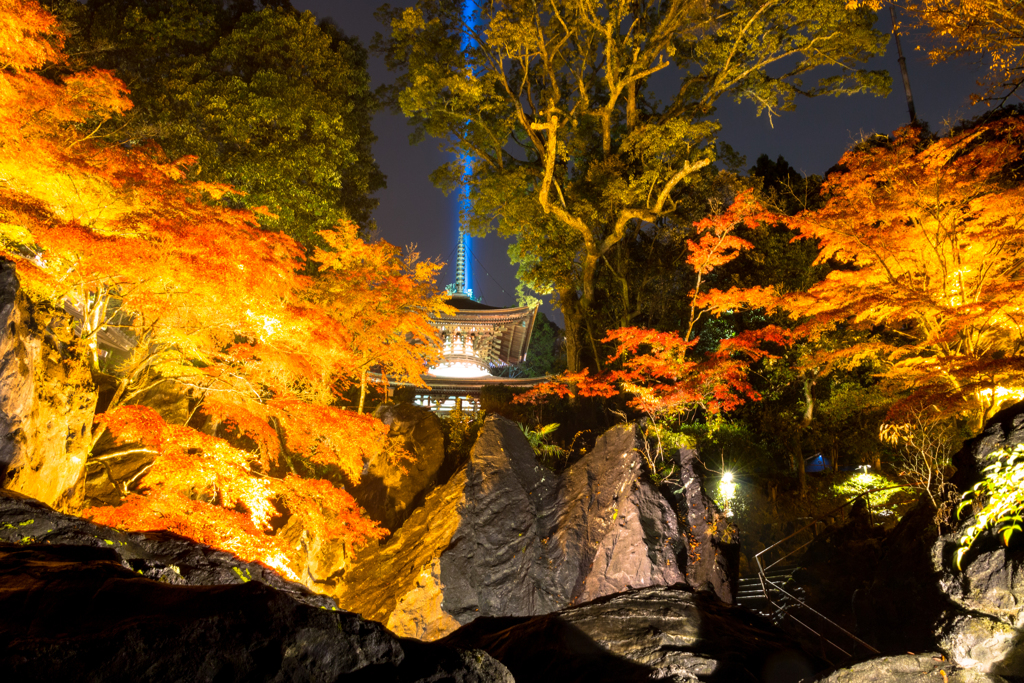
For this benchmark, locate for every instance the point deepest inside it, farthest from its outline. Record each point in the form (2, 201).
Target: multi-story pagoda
(475, 339)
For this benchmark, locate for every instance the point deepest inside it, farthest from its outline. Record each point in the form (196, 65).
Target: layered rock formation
(713, 542)
(505, 537)
(47, 402)
(657, 633)
(104, 606)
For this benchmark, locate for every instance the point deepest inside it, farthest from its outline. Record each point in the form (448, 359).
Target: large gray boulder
(981, 629)
(94, 604)
(47, 401)
(656, 633)
(506, 537)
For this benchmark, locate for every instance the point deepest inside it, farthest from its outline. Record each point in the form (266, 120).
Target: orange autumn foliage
(955, 29)
(389, 300)
(657, 369)
(196, 301)
(928, 235)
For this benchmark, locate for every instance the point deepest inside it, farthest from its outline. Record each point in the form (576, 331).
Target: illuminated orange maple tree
(659, 370)
(929, 237)
(196, 299)
(387, 303)
(993, 29)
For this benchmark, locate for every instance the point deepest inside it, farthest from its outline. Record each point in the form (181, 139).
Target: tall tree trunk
(575, 329)
(805, 423)
(796, 455)
(362, 390)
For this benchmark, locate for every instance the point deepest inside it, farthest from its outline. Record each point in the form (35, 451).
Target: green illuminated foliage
(863, 482)
(997, 500)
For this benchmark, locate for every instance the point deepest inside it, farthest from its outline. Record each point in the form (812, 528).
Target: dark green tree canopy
(588, 121)
(268, 100)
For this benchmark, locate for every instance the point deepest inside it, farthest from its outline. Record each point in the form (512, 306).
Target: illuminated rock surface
(713, 547)
(909, 668)
(505, 537)
(84, 613)
(391, 491)
(46, 406)
(982, 628)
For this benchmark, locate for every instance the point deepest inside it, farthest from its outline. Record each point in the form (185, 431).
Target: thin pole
(903, 65)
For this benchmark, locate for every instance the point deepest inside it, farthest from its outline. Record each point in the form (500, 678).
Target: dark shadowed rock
(899, 609)
(657, 633)
(836, 568)
(157, 555)
(74, 613)
(919, 600)
(84, 602)
(46, 403)
(390, 491)
(505, 537)
(714, 549)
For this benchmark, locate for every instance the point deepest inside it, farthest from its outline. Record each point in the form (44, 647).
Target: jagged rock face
(390, 491)
(909, 668)
(1004, 430)
(982, 629)
(77, 612)
(505, 537)
(714, 549)
(920, 600)
(47, 404)
(657, 633)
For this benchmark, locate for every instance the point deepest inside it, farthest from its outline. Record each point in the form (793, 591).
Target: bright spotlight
(727, 487)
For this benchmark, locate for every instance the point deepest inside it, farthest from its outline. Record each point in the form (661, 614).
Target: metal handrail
(767, 584)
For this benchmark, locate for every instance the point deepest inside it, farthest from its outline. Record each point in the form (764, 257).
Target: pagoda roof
(511, 327)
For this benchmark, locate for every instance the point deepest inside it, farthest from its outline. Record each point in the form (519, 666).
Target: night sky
(812, 139)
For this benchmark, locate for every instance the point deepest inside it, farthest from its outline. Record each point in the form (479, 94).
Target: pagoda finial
(460, 268)
(460, 286)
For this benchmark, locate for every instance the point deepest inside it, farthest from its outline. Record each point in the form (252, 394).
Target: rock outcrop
(919, 600)
(112, 607)
(713, 541)
(910, 668)
(981, 628)
(47, 403)
(160, 556)
(657, 633)
(505, 537)
(390, 491)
